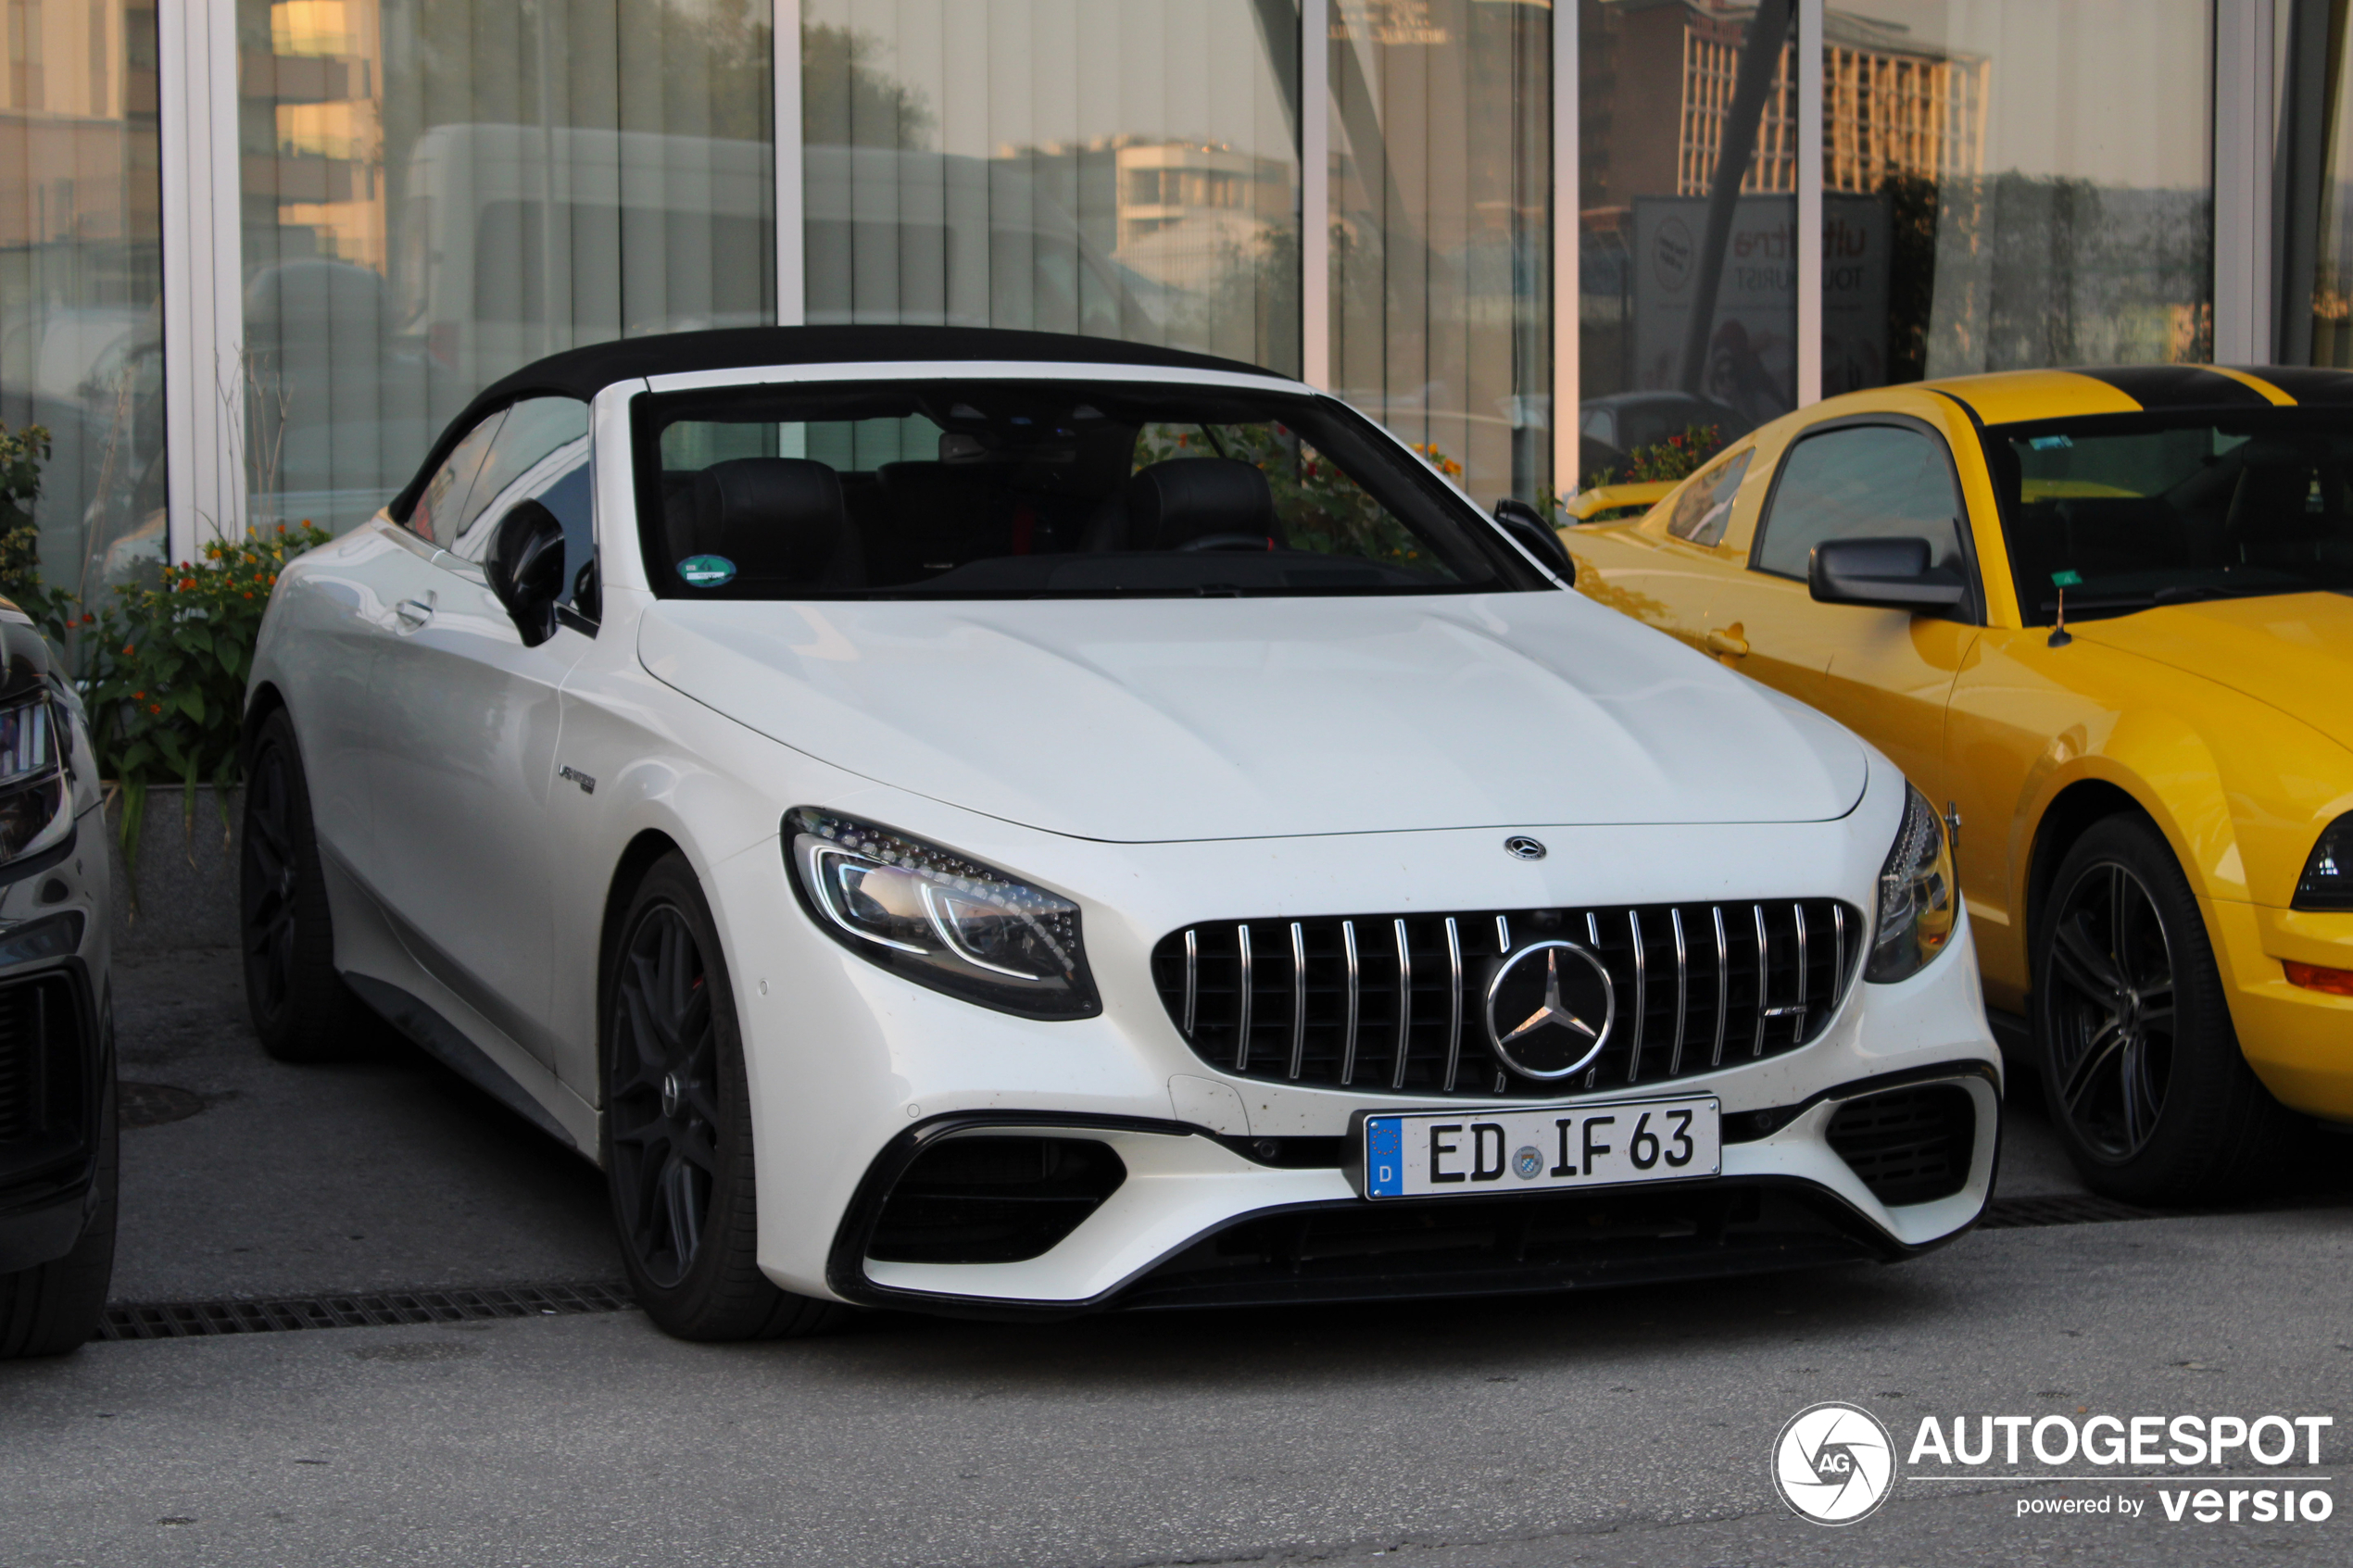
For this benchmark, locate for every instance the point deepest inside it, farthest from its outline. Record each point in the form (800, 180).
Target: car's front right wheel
(2141, 1066)
(678, 1151)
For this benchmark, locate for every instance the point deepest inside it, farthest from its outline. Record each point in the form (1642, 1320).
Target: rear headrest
(1188, 498)
(774, 517)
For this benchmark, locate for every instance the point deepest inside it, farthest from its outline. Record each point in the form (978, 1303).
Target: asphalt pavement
(1631, 1428)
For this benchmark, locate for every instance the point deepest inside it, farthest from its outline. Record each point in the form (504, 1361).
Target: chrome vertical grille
(1395, 1003)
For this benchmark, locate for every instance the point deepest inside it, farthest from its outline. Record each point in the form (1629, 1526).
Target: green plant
(167, 663)
(1662, 462)
(21, 454)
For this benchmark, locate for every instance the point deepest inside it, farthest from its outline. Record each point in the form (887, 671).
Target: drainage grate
(196, 1320)
(2059, 1209)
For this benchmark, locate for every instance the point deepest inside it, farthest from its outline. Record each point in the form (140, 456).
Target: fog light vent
(1909, 1146)
(992, 1198)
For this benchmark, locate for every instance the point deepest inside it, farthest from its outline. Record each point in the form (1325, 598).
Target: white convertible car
(999, 824)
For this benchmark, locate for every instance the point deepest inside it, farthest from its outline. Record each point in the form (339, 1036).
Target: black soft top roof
(584, 372)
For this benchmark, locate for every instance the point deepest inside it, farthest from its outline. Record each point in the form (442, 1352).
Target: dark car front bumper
(57, 1051)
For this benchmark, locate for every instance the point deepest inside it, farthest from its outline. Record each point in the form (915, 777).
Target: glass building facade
(255, 253)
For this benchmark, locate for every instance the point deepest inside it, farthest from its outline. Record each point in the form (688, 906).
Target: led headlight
(2327, 882)
(32, 783)
(1918, 901)
(939, 918)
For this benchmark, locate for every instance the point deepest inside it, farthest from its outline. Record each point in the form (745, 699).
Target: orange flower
(155, 708)
(128, 650)
(138, 696)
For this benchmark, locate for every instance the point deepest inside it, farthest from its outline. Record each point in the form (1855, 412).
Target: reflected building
(80, 279)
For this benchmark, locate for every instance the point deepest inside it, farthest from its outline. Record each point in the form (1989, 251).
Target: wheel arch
(262, 701)
(638, 856)
(2070, 815)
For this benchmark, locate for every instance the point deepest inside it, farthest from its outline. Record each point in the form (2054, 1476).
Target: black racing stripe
(2306, 384)
(2175, 386)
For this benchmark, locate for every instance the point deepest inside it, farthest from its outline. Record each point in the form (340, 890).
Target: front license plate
(1458, 1153)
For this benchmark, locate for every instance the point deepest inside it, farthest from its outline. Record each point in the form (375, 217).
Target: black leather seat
(781, 521)
(1166, 505)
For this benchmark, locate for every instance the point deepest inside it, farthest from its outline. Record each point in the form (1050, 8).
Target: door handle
(1729, 641)
(413, 613)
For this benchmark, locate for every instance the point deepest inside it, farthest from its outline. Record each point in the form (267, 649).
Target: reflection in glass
(2315, 201)
(1118, 168)
(1687, 259)
(81, 281)
(1442, 228)
(2011, 183)
(439, 192)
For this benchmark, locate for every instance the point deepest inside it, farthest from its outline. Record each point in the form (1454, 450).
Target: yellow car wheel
(2141, 1068)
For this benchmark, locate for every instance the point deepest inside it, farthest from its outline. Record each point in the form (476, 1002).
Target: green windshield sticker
(2067, 579)
(2050, 443)
(706, 571)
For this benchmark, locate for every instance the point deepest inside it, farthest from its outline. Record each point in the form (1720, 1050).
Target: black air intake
(1909, 1146)
(993, 1199)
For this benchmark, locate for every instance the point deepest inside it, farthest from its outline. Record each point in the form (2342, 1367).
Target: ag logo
(1834, 1464)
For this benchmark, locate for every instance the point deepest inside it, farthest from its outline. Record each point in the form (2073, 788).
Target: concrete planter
(187, 879)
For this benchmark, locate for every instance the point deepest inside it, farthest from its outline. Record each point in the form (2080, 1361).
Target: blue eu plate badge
(1384, 1157)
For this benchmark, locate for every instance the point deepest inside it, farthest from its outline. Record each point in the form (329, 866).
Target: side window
(539, 454)
(534, 429)
(1705, 509)
(434, 518)
(1865, 482)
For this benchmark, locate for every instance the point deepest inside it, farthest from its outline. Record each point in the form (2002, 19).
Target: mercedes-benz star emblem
(1549, 1009)
(1519, 846)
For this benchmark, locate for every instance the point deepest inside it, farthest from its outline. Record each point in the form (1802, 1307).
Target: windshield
(994, 489)
(2126, 511)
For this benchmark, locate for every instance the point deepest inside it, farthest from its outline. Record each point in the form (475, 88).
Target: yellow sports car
(2107, 617)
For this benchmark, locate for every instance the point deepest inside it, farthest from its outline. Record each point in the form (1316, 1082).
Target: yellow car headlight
(2327, 882)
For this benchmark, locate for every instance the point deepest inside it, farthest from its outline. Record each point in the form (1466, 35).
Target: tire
(678, 1140)
(300, 1007)
(2142, 1071)
(55, 1306)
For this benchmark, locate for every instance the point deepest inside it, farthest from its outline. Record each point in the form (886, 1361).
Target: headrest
(1188, 497)
(773, 517)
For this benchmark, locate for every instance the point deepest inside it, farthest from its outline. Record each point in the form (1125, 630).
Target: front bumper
(853, 1070)
(1198, 1222)
(56, 1063)
(2299, 1041)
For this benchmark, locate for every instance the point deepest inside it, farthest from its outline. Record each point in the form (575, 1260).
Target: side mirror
(526, 569)
(1890, 573)
(1526, 524)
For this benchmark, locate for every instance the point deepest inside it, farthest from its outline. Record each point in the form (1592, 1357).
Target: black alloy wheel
(300, 1008)
(2142, 1070)
(678, 1154)
(2111, 1015)
(665, 1108)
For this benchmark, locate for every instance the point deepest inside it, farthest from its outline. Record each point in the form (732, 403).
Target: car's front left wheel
(2141, 1066)
(678, 1149)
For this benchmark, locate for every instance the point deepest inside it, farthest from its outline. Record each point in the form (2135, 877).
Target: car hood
(1163, 719)
(2294, 651)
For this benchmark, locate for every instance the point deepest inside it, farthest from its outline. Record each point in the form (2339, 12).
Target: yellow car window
(2125, 512)
(1705, 509)
(1863, 482)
